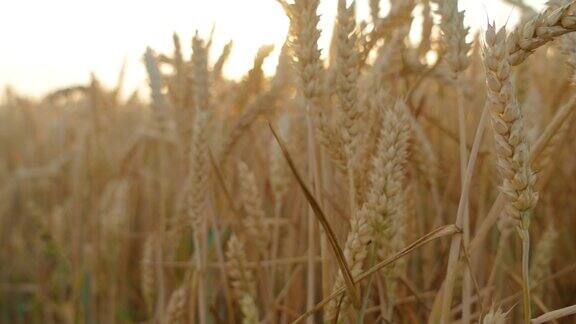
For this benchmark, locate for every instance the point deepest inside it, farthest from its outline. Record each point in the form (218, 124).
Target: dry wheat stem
(322, 220)
(555, 314)
(456, 55)
(448, 283)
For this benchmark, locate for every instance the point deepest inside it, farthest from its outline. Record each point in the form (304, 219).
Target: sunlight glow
(57, 43)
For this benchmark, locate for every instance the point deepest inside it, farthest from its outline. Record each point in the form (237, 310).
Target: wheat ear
(201, 79)
(347, 64)
(176, 310)
(304, 34)
(541, 29)
(216, 75)
(512, 150)
(252, 83)
(494, 316)
(387, 194)
(280, 174)
(242, 280)
(252, 203)
(511, 144)
(198, 173)
(160, 105)
(383, 210)
(454, 36)
(195, 198)
(355, 252)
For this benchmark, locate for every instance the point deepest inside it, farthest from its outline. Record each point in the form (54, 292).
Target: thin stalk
(313, 177)
(382, 305)
(324, 245)
(467, 285)
(366, 297)
(427, 146)
(221, 262)
(193, 288)
(498, 258)
(202, 306)
(323, 221)
(454, 253)
(526, 268)
(162, 226)
(555, 314)
(275, 243)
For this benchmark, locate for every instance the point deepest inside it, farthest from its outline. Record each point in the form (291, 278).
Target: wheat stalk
(456, 55)
(148, 274)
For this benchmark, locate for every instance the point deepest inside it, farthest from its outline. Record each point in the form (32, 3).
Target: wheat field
(389, 181)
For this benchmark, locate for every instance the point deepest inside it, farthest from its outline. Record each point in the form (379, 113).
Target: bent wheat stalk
(323, 221)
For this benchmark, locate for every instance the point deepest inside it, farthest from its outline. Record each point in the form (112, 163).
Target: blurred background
(50, 44)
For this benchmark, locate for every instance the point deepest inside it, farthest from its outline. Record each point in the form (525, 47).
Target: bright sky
(46, 44)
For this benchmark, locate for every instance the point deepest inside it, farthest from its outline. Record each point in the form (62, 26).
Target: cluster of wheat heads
(393, 181)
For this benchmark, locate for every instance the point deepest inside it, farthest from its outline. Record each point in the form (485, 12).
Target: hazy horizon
(61, 42)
